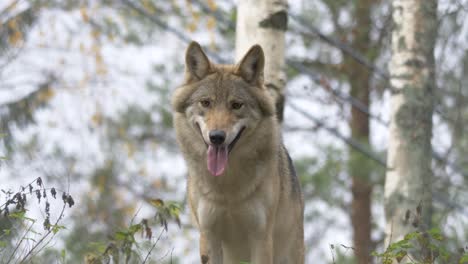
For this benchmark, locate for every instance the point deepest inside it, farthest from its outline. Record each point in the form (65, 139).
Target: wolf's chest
(230, 221)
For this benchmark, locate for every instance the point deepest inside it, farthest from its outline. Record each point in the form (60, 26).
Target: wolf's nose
(217, 137)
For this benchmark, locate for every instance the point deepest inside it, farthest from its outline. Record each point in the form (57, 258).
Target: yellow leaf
(12, 24)
(82, 48)
(192, 27)
(101, 70)
(102, 181)
(196, 16)
(211, 23)
(129, 210)
(156, 202)
(95, 34)
(96, 49)
(212, 5)
(45, 95)
(97, 118)
(158, 184)
(110, 37)
(149, 6)
(16, 35)
(84, 14)
(130, 149)
(100, 66)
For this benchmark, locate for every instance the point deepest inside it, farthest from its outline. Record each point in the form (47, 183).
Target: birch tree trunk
(264, 22)
(408, 196)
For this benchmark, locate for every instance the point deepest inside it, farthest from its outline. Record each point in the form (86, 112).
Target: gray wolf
(242, 189)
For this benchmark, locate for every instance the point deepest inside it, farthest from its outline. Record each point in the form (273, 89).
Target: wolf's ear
(251, 66)
(196, 62)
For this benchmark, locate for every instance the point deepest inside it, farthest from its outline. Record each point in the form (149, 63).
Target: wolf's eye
(205, 103)
(236, 105)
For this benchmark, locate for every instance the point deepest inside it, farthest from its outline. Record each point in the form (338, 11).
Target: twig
(347, 247)
(169, 28)
(333, 255)
(8, 7)
(153, 246)
(345, 97)
(340, 45)
(167, 252)
(171, 254)
(33, 193)
(46, 235)
(135, 215)
(354, 144)
(20, 242)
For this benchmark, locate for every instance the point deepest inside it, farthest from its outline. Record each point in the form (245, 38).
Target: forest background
(85, 114)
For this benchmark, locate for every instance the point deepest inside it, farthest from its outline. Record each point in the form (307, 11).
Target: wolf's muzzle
(217, 137)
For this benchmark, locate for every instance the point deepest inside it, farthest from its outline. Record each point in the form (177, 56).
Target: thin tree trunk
(264, 22)
(408, 196)
(359, 79)
(361, 187)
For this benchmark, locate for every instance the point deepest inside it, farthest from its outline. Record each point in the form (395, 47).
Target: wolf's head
(223, 104)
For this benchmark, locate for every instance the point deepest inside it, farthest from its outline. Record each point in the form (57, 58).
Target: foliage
(322, 174)
(19, 241)
(17, 24)
(422, 247)
(119, 176)
(123, 246)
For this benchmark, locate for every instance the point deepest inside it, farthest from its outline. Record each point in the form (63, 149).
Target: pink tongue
(217, 159)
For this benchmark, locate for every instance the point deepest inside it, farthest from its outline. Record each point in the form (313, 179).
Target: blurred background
(85, 106)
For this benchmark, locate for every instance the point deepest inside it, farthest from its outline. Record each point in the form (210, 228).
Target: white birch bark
(408, 181)
(264, 22)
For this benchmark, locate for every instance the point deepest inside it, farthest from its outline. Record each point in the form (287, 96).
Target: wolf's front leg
(210, 250)
(262, 249)
(210, 243)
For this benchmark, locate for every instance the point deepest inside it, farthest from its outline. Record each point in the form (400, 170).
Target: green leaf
(98, 246)
(157, 202)
(400, 255)
(134, 228)
(63, 255)
(436, 234)
(387, 261)
(21, 215)
(18, 215)
(121, 235)
(464, 259)
(56, 228)
(412, 235)
(174, 209)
